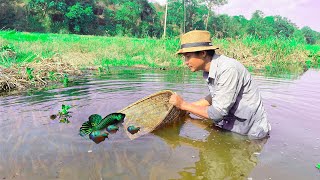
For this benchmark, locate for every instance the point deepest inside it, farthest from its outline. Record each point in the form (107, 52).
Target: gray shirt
(235, 99)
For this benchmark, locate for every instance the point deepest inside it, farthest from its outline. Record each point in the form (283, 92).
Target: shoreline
(33, 60)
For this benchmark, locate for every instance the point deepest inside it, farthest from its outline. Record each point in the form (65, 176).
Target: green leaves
(79, 17)
(29, 72)
(65, 80)
(318, 166)
(64, 109)
(63, 114)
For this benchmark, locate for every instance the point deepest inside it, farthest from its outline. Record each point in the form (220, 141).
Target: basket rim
(147, 97)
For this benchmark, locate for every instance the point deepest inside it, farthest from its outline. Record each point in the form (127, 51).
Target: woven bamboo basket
(151, 113)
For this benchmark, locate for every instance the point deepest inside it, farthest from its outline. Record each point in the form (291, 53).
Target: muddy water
(34, 147)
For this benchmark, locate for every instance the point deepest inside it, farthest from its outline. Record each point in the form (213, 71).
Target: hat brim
(195, 49)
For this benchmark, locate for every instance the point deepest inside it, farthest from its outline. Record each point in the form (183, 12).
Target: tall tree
(309, 34)
(211, 4)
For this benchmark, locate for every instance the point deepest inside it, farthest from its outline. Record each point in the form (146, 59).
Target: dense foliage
(140, 18)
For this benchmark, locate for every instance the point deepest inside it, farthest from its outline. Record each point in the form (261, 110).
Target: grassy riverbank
(17, 49)
(86, 51)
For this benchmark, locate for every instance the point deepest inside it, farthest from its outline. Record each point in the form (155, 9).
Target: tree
(211, 4)
(309, 35)
(80, 18)
(260, 26)
(283, 27)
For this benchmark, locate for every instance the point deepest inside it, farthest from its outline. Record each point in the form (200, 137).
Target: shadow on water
(32, 146)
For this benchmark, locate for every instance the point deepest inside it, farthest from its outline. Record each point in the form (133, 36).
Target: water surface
(34, 147)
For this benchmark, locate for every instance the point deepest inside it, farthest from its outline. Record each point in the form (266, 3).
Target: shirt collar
(213, 68)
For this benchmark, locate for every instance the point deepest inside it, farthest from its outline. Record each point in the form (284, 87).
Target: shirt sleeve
(226, 91)
(208, 98)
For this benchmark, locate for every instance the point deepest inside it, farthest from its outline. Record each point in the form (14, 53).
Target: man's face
(194, 61)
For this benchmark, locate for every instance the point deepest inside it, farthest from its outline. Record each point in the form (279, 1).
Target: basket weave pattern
(151, 113)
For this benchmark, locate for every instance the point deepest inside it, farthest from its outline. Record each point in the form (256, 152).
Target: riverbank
(73, 53)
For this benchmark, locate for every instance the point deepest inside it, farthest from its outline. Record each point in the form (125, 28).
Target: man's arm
(199, 108)
(201, 102)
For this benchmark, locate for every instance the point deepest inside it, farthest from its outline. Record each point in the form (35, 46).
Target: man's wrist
(184, 106)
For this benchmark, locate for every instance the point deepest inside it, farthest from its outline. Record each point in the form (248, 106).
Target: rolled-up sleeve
(208, 98)
(226, 91)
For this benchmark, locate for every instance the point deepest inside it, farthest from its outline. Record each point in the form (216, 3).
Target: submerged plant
(64, 110)
(63, 114)
(64, 120)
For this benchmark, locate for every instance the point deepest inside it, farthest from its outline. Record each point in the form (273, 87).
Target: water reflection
(220, 154)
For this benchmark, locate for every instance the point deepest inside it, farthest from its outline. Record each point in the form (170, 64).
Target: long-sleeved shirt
(235, 100)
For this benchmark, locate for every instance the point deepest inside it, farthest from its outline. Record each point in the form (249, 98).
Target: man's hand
(176, 100)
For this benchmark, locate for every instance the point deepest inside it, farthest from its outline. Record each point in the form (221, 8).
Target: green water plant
(65, 80)
(63, 114)
(64, 110)
(318, 166)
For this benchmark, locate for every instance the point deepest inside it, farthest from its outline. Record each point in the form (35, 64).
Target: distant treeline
(140, 18)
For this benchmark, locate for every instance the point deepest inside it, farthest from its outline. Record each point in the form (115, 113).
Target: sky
(300, 12)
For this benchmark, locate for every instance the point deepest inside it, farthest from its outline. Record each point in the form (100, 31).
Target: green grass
(271, 55)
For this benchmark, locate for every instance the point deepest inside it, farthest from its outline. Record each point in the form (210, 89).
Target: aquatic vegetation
(64, 120)
(64, 110)
(96, 122)
(63, 114)
(65, 80)
(132, 129)
(318, 166)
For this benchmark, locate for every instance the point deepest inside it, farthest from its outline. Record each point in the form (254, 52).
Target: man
(234, 102)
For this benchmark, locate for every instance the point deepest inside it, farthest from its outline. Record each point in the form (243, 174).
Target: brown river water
(32, 146)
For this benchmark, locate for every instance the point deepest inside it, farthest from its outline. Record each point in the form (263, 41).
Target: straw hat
(196, 40)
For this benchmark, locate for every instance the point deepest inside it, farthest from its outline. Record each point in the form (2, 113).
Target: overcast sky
(300, 12)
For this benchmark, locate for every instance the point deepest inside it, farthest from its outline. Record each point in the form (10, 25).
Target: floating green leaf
(64, 109)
